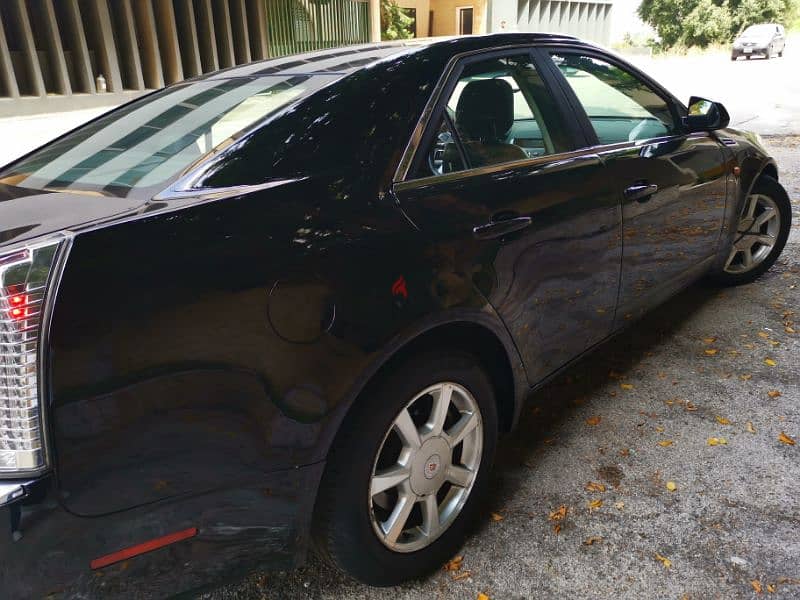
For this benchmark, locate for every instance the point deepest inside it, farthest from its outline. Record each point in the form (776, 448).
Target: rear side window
(620, 106)
(499, 111)
(147, 143)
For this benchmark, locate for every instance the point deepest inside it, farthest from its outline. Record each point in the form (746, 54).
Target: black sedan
(300, 299)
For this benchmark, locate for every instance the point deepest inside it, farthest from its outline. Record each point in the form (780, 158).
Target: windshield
(144, 145)
(756, 30)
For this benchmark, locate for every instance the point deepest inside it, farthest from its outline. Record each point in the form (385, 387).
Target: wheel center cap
(432, 466)
(429, 466)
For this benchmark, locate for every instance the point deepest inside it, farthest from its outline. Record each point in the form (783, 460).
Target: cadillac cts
(297, 301)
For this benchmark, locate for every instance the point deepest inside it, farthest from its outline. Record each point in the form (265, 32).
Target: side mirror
(706, 115)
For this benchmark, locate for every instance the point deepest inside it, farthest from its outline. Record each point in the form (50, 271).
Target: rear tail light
(26, 275)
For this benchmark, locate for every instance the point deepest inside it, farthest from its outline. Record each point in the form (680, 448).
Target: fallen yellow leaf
(595, 504)
(496, 517)
(756, 586)
(774, 394)
(626, 386)
(711, 351)
(746, 377)
(750, 427)
(593, 421)
(659, 428)
(672, 486)
(709, 340)
(789, 330)
(483, 596)
(454, 564)
(717, 441)
(664, 561)
(460, 576)
(769, 362)
(763, 335)
(557, 528)
(559, 513)
(785, 439)
(723, 421)
(771, 588)
(665, 443)
(593, 486)
(690, 407)
(591, 540)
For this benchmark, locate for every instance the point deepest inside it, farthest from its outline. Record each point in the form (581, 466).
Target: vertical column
(207, 37)
(128, 46)
(107, 60)
(168, 41)
(187, 32)
(241, 37)
(257, 18)
(55, 51)
(224, 36)
(10, 86)
(34, 69)
(81, 62)
(374, 20)
(147, 35)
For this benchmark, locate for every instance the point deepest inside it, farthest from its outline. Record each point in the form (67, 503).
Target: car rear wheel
(406, 478)
(761, 233)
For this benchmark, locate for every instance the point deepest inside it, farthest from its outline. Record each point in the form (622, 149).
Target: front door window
(620, 106)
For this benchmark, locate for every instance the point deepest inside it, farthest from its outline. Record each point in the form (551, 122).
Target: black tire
(733, 57)
(766, 186)
(748, 56)
(343, 533)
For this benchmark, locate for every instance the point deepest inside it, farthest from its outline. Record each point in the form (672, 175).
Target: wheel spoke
(388, 479)
(407, 430)
(460, 476)
(767, 240)
(747, 255)
(394, 525)
(441, 403)
(430, 515)
(752, 202)
(731, 256)
(767, 215)
(462, 427)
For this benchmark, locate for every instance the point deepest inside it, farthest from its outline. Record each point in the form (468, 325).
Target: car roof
(348, 59)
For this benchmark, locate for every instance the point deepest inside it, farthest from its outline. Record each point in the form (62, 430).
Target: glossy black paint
(205, 350)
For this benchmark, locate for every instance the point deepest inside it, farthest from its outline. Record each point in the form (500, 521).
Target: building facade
(60, 55)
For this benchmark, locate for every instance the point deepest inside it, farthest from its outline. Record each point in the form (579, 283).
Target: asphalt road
(761, 95)
(637, 414)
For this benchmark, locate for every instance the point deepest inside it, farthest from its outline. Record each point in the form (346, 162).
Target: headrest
(485, 110)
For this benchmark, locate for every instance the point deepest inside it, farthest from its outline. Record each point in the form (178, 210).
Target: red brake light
(18, 306)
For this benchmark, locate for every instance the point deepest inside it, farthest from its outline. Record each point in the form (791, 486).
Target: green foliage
(704, 22)
(395, 24)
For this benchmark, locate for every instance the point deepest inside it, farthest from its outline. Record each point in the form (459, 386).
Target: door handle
(499, 228)
(641, 192)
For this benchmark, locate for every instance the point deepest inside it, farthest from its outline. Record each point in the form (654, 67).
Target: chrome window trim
(403, 167)
(546, 160)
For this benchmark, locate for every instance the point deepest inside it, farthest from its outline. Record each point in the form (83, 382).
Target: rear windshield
(144, 145)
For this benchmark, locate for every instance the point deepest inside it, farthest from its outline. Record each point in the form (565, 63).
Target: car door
(672, 184)
(504, 199)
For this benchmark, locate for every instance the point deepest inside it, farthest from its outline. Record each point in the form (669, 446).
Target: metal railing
(305, 25)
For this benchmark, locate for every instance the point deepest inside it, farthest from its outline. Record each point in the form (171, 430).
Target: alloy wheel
(426, 466)
(756, 234)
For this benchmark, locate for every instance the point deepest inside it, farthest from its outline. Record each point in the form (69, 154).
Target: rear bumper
(46, 550)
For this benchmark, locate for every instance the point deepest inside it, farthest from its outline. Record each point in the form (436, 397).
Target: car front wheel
(761, 233)
(406, 478)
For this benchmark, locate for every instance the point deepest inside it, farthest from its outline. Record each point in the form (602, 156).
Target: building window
(464, 19)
